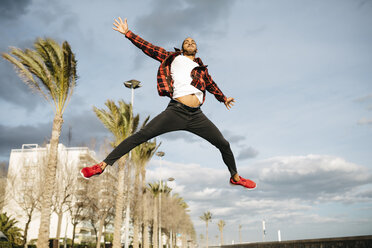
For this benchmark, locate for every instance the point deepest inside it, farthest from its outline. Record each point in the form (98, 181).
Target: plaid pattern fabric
(201, 79)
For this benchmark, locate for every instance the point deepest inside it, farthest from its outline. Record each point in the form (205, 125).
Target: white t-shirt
(181, 68)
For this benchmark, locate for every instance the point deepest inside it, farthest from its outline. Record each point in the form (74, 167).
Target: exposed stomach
(189, 100)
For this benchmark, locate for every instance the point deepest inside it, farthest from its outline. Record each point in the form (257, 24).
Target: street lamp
(170, 179)
(132, 84)
(161, 155)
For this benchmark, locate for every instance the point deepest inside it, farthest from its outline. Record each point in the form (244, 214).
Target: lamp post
(131, 84)
(161, 155)
(170, 179)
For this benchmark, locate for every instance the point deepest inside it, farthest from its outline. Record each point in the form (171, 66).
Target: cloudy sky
(300, 72)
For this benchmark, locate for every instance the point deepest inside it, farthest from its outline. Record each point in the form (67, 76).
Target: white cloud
(311, 176)
(207, 193)
(291, 190)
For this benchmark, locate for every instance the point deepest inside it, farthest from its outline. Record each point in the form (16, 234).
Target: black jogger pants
(175, 117)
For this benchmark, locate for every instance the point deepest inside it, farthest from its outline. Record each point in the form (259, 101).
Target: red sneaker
(249, 184)
(94, 170)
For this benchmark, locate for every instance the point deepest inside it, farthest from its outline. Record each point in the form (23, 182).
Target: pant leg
(169, 120)
(203, 127)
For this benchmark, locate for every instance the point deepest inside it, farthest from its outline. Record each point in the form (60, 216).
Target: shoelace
(97, 168)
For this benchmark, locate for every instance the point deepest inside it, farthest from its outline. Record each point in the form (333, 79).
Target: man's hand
(229, 102)
(121, 26)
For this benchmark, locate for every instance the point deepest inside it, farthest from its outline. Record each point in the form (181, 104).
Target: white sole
(233, 185)
(88, 178)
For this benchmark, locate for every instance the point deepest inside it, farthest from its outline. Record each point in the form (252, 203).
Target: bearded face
(189, 47)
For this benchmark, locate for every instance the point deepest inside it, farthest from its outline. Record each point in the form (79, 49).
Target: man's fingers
(117, 22)
(121, 21)
(229, 104)
(116, 27)
(125, 21)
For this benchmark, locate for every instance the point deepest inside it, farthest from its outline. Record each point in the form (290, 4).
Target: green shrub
(5, 244)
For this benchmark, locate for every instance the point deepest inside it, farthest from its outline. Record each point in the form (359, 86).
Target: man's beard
(189, 53)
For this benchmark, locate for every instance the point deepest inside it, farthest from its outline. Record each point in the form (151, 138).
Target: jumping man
(183, 78)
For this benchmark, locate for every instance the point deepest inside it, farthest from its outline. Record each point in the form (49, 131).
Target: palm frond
(25, 75)
(105, 118)
(49, 69)
(36, 66)
(117, 119)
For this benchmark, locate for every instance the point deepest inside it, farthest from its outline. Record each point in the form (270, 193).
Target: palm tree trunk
(136, 211)
(184, 240)
(119, 205)
(207, 234)
(126, 232)
(50, 177)
(101, 223)
(155, 225)
(171, 238)
(135, 232)
(160, 236)
(175, 240)
(145, 235)
(127, 212)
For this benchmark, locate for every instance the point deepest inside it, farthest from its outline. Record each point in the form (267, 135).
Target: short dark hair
(183, 42)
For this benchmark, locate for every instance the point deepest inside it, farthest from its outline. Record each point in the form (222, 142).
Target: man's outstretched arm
(213, 88)
(149, 49)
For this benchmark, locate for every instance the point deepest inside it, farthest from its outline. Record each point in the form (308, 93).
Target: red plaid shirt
(200, 76)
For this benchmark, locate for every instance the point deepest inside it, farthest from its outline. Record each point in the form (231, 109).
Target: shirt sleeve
(149, 49)
(212, 88)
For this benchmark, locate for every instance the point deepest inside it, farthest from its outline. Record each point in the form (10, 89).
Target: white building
(25, 181)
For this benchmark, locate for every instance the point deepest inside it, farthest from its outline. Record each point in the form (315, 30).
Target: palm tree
(176, 217)
(62, 194)
(207, 217)
(221, 224)
(164, 193)
(10, 230)
(141, 155)
(50, 70)
(156, 189)
(201, 237)
(120, 122)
